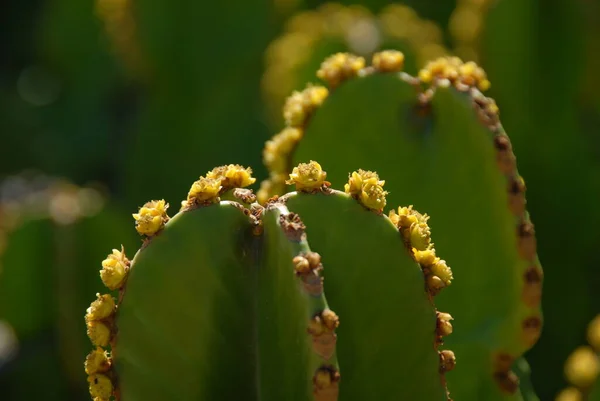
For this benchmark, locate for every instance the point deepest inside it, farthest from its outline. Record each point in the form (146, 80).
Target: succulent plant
(440, 142)
(227, 299)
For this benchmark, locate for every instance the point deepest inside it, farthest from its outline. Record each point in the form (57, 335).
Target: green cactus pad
(211, 311)
(387, 322)
(187, 312)
(284, 311)
(437, 155)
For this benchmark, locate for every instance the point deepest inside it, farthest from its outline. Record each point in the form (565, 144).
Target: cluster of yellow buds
(301, 105)
(326, 321)
(388, 61)
(206, 189)
(582, 368)
(340, 67)
(151, 217)
(306, 263)
(417, 235)
(413, 226)
(459, 73)
(279, 148)
(308, 177)
(232, 176)
(115, 269)
(367, 188)
(99, 321)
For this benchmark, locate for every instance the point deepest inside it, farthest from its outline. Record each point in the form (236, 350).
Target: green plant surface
(536, 67)
(240, 312)
(444, 151)
(523, 371)
(186, 319)
(377, 290)
(283, 310)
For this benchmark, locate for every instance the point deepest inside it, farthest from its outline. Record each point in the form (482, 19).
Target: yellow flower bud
(425, 76)
(570, 394)
(307, 176)
(441, 270)
(99, 333)
(330, 319)
(97, 361)
(340, 67)
(426, 258)
(301, 265)
(582, 367)
(204, 190)
(300, 105)
(100, 386)
(447, 360)
(372, 195)
(101, 308)
(356, 181)
(232, 176)
(388, 61)
(444, 327)
(151, 217)
(114, 269)
(593, 333)
(434, 284)
(406, 217)
(419, 236)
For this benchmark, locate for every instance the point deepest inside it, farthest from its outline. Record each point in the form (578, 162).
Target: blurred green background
(105, 105)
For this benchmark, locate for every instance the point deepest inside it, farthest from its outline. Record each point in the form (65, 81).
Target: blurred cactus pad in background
(368, 235)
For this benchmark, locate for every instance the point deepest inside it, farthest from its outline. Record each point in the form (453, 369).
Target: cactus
(416, 130)
(537, 67)
(226, 299)
(310, 36)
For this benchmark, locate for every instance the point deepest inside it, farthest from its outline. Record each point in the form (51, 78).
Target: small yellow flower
(278, 149)
(388, 61)
(204, 190)
(232, 176)
(425, 258)
(300, 105)
(372, 195)
(101, 308)
(357, 180)
(582, 367)
(151, 217)
(97, 361)
(99, 333)
(307, 176)
(443, 271)
(114, 269)
(406, 217)
(100, 386)
(340, 67)
(419, 236)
